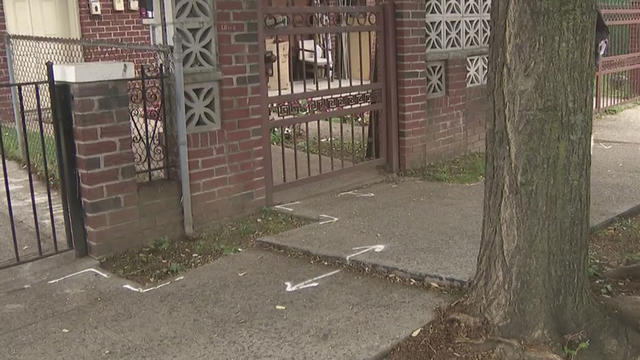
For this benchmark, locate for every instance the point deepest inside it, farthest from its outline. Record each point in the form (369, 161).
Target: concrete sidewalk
(225, 310)
(431, 231)
(239, 306)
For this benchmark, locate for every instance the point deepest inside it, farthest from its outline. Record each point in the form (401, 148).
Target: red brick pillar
(105, 160)
(227, 169)
(412, 80)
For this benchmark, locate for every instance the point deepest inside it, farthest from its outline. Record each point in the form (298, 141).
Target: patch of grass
(166, 258)
(36, 156)
(467, 169)
(350, 150)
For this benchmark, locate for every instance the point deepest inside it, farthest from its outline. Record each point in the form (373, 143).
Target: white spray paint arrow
(357, 194)
(330, 219)
(78, 273)
(285, 206)
(141, 290)
(365, 249)
(308, 283)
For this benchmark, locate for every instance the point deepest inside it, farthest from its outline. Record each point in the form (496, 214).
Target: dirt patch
(447, 338)
(167, 258)
(467, 169)
(612, 247)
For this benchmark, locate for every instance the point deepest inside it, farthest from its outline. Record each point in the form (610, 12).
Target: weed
(276, 137)
(175, 268)
(166, 258)
(229, 250)
(466, 169)
(36, 156)
(572, 353)
(161, 243)
(594, 269)
(607, 290)
(631, 259)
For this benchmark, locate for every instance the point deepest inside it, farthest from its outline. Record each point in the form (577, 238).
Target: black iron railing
(148, 113)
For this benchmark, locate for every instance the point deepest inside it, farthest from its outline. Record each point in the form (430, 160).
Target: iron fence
(32, 211)
(148, 105)
(148, 113)
(618, 78)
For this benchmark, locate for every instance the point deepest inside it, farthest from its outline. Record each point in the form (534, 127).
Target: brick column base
(119, 213)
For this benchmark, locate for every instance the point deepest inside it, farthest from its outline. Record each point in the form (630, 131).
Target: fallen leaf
(416, 332)
(280, 307)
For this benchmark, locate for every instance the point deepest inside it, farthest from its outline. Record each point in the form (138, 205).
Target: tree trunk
(531, 281)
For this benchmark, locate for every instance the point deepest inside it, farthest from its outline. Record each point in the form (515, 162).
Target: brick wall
(412, 94)
(119, 213)
(125, 26)
(227, 165)
(114, 26)
(456, 121)
(433, 129)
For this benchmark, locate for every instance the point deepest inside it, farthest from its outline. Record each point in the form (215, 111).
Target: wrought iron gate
(324, 84)
(34, 208)
(618, 79)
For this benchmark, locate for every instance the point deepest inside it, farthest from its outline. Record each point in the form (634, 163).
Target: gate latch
(269, 59)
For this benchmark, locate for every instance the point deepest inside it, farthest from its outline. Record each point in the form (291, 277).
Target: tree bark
(531, 281)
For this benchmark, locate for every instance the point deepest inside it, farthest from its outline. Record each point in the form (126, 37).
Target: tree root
(627, 309)
(624, 273)
(466, 320)
(510, 349)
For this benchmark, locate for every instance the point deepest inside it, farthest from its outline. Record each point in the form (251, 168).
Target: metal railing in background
(149, 108)
(148, 112)
(618, 78)
(32, 211)
(325, 90)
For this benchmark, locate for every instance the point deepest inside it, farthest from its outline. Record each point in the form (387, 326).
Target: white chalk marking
(606, 147)
(78, 273)
(365, 249)
(285, 206)
(356, 194)
(142, 291)
(330, 219)
(308, 283)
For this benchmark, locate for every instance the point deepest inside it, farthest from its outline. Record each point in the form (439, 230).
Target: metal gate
(34, 207)
(618, 79)
(324, 81)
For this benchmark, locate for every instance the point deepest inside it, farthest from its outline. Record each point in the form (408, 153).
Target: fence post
(181, 124)
(62, 117)
(598, 91)
(392, 86)
(14, 98)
